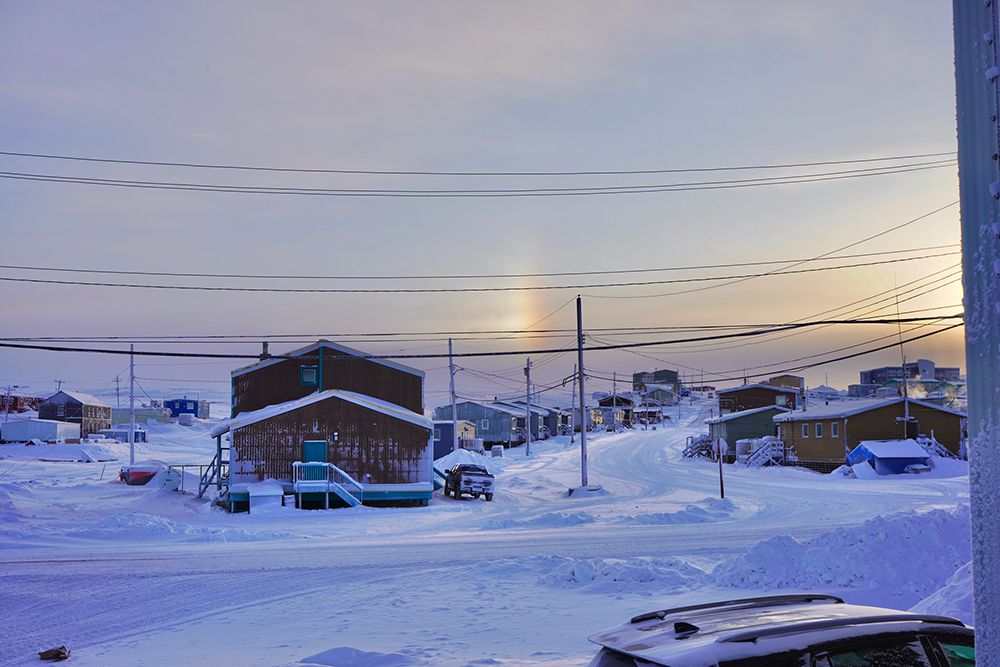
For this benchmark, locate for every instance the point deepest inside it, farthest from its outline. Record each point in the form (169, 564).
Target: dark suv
(786, 631)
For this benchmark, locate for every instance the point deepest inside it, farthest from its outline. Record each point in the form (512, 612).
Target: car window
(958, 655)
(903, 652)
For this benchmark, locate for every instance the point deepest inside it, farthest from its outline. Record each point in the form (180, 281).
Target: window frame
(834, 429)
(303, 370)
(805, 429)
(818, 428)
(484, 424)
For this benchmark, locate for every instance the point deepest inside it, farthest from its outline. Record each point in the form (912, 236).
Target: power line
(376, 172)
(497, 192)
(509, 288)
(464, 277)
(825, 254)
(620, 346)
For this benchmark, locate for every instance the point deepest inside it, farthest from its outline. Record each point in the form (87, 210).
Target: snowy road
(127, 577)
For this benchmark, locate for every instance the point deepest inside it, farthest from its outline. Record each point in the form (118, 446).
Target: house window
(834, 429)
(60, 410)
(484, 424)
(190, 405)
(309, 376)
(819, 430)
(805, 430)
(780, 399)
(437, 434)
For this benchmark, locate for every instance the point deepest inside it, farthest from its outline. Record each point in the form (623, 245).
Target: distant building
(923, 369)
(142, 415)
(788, 381)
(660, 377)
(187, 406)
(78, 408)
(46, 430)
(444, 441)
(755, 423)
(750, 396)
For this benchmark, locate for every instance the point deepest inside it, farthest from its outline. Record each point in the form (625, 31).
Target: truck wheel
(489, 497)
(475, 495)
(458, 493)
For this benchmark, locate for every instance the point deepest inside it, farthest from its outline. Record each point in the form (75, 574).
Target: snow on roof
(744, 413)
(384, 407)
(784, 390)
(84, 398)
(538, 410)
(894, 449)
(840, 409)
(324, 343)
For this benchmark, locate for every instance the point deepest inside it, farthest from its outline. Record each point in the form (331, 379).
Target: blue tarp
(889, 457)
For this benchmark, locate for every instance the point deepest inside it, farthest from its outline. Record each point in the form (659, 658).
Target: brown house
(826, 433)
(321, 366)
(753, 396)
(71, 406)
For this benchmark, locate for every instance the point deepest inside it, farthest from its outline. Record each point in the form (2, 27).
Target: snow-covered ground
(139, 576)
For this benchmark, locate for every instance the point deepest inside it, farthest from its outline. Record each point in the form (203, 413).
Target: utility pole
(977, 59)
(527, 408)
(454, 414)
(572, 400)
(118, 395)
(614, 401)
(9, 400)
(58, 386)
(131, 404)
(583, 407)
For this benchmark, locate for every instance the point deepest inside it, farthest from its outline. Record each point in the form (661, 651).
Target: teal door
(314, 450)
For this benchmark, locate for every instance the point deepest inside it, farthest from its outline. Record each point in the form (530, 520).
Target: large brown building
(826, 433)
(71, 406)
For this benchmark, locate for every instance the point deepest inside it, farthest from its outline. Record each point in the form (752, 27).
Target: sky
(477, 87)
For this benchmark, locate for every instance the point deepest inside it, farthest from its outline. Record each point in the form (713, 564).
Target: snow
(127, 575)
(895, 449)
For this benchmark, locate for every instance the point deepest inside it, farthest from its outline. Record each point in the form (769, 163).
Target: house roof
(537, 409)
(86, 399)
(841, 409)
(744, 413)
(324, 343)
(384, 407)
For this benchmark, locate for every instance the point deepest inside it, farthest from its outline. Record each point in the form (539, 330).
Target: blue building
(444, 438)
(179, 406)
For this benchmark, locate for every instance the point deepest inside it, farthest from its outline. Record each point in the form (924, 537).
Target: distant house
(120, 433)
(142, 415)
(618, 408)
(666, 378)
(824, 434)
(788, 381)
(750, 396)
(755, 423)
(78, 408)
(46, 430)
(659, 394)
(496, 424)
(187, 406)
(16, 403)
(444, 441)
(383, 447)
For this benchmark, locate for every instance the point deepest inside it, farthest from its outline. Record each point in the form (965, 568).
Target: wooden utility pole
(454, 414)
(131, 405)
(583, 407)
(527, 408)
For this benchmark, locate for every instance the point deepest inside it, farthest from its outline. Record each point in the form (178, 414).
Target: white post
(454, 414)
(131, 404)
(583, 406)
(614, 401)
(977, 37)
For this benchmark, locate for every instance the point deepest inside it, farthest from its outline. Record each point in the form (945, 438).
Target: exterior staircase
(316, 477)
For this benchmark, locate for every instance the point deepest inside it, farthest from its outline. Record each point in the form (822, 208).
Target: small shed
(890, 457)
(72, 406)
(120, 434)
(187, 406)
(47, 430)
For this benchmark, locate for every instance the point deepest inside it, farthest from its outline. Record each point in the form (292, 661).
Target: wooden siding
(359, 442)
(280, 382)
(753, 397)
(878, 424)
(91, 418)
(750, 426)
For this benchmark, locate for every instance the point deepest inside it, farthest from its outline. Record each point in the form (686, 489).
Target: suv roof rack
(747, 603)
(754, 635)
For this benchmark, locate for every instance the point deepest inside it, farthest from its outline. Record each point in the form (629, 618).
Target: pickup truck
(469, 478)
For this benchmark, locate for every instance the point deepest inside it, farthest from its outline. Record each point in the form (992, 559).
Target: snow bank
(139, 526)
(548, 520)
(954, 600)
(708, 510)
(87, 452)
(908, 555)
(643, 576)
(446, 462)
